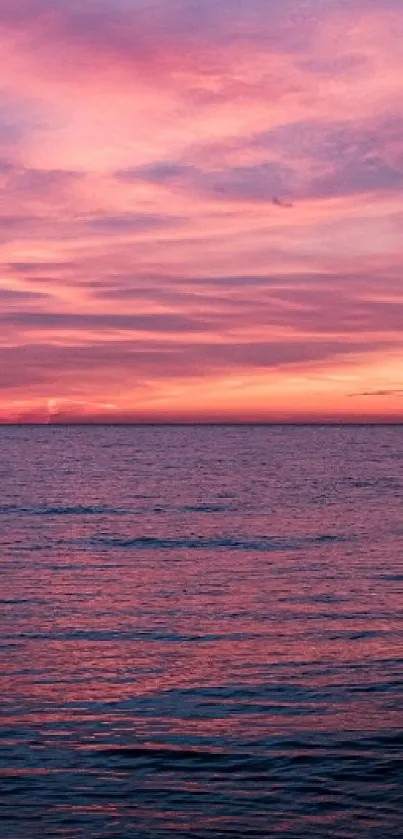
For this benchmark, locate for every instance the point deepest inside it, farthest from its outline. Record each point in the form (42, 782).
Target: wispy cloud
(385, 392)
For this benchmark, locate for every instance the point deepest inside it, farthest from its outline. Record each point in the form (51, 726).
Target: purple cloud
(117, 223)
(33, 364)
(392, 391)
(152, 322)
(12, 295)
(237, 183)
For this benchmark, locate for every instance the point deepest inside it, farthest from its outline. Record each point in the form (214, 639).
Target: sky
(201, 210)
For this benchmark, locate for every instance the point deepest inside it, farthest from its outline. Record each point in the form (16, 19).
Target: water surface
(201, 632)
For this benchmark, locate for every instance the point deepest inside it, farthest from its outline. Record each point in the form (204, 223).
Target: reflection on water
(201, 632)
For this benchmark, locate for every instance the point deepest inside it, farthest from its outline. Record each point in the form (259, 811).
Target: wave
(208, 508)
(367, 758)
(257, 543)
(77, 510)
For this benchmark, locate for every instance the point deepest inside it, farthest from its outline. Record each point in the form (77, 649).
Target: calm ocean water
(201, 632)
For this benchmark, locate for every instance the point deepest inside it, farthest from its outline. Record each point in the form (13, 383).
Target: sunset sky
(146, 271)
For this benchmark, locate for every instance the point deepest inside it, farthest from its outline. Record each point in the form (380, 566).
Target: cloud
(318, 304)
(160, 172)
(310, 159)
(35, 183)
(39, 267)
(144, 322)
(383, 392)
(241, 183)
(14, 295)
(115, 362)
(117, 223)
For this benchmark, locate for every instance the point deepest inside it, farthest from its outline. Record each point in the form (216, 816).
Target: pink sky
(146, 272)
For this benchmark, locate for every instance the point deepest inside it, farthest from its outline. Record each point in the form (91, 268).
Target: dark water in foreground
(201, 632)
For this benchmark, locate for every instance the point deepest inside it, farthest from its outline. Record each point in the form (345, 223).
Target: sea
(201, 632)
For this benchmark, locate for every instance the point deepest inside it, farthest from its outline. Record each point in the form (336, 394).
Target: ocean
(201, 632)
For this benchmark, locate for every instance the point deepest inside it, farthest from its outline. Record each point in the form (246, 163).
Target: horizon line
(185, 423)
